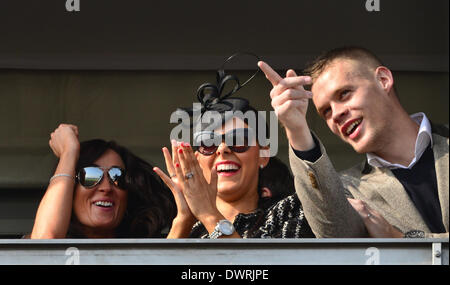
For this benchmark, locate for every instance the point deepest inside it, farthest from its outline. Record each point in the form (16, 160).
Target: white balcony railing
(230, 251)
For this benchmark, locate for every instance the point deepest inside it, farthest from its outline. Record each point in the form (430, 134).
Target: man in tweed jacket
(401, 189)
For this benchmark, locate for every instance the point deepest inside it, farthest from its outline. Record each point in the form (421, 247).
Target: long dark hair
(150, 207)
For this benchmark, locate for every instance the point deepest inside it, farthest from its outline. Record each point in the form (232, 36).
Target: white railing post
(436, 251)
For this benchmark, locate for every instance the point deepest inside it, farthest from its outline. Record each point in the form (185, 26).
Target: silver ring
(189, 175)
(172, 176)
(369, 215)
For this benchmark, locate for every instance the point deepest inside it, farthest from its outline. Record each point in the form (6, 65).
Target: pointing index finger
(271, 74)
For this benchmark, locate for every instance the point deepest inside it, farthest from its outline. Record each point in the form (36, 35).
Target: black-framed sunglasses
(237, 140)
(91, 176)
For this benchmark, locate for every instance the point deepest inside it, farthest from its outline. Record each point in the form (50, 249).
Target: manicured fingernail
(187, 145)
(177, 165)
(174, 142)
(180, 151)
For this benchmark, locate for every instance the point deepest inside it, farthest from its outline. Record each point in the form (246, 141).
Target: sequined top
(285, 219)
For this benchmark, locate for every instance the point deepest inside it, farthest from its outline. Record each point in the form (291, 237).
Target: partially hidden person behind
(401, 189)
(217, 182)
(275, 182)
(101, 190)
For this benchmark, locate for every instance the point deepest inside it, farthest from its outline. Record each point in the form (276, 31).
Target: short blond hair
(359, 54)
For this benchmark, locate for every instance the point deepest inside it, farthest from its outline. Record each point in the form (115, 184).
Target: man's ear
(385, 78)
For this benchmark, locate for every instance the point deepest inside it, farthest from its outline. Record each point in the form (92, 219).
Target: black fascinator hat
(218, 96)
(217, 100)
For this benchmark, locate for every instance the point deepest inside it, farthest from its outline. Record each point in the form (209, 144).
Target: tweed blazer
(323, 193)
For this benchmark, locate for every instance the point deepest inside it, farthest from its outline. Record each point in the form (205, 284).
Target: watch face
(226, 227)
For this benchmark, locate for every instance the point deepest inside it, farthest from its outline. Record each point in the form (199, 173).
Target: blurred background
(118, 69)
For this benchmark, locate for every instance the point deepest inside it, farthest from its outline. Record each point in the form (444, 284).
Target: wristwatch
(414, 234)
(223, 227)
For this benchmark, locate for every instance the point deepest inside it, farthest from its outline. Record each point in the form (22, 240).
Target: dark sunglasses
(91, 176)
(237, 140)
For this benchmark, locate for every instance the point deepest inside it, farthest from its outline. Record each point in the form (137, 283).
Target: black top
(421, 185)
(285, 219)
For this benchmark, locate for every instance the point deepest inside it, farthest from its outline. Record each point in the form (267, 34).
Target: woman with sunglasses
(100, 190)
(216, 185)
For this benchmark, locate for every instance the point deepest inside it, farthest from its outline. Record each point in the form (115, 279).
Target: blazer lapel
(441, 158)
(397, 206)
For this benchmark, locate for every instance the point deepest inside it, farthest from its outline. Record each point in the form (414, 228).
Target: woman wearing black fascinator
(217, 182)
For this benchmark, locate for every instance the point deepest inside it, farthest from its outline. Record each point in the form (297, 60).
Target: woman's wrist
(66, 167)
(181, 227)
(210, 221)
(184, 220)
(68, 161)
(72, 153)
(67, 176)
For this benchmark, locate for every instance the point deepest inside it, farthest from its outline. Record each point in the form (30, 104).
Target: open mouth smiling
(227, 168)
(349, 128)
(104, 204)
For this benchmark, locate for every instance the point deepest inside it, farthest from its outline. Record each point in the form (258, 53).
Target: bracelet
(60, 175)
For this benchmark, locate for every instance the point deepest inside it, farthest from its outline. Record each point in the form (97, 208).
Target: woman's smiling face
(100, 209)
(237, 172)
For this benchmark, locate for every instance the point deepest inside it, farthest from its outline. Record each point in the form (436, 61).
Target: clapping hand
(375, 223)
(184, 214)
